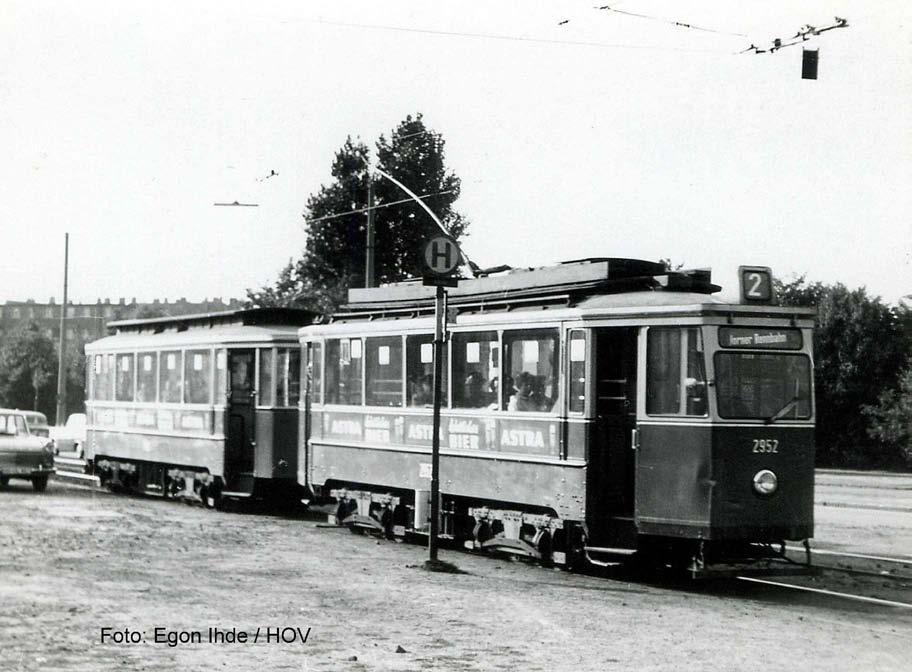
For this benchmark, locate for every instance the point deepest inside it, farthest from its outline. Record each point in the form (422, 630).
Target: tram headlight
(765, 482)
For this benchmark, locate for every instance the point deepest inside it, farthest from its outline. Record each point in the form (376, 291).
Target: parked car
(37, 423)
(70, 439)
(23, 455)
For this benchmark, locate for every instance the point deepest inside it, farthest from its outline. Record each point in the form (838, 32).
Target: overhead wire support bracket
(803, 35)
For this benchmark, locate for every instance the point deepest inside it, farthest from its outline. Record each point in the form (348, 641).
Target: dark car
(22, 454)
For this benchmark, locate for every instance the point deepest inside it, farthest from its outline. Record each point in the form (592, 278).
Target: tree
(891, 419)
(859, 350)
(334, 256)
(414, 156)
(28, 371)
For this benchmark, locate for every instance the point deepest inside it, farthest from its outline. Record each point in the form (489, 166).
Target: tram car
(197, 406)
(591, 410)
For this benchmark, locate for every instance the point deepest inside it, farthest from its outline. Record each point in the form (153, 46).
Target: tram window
(123, 387)
(530, 381)
(663, 371)
(763, 385)
(90, 377)
(197, 376)
(221, 376)
(316, 382)
(343, 371)
(671, 389)
(289, 371)
(266, 387)
(419, 367)
(383, 371)
(577, 371)
(695, 381)
(146, 374)
(102, 377)
(476, 369)
(170, 383)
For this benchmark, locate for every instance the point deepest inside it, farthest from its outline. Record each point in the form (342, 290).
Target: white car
(70, 439)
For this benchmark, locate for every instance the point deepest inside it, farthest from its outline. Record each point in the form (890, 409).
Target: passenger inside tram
(422, 391)
(529, 394)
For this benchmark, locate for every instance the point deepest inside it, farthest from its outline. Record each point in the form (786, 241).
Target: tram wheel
(345, 509)
(544, 548)
(4, 481)
(482, 532)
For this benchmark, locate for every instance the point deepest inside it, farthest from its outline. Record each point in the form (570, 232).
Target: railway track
(873, 579)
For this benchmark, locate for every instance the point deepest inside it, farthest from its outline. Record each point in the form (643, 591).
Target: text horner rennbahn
(212, 635)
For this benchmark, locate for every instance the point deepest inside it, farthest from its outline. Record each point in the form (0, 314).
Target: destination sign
(767, 339)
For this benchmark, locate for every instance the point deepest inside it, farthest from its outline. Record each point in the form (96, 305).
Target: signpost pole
(440, 316)
(441, 257)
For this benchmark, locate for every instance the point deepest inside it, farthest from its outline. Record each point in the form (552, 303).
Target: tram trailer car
(197, 406)
(591, 410)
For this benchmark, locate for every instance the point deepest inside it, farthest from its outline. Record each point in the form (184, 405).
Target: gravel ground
(74, 561)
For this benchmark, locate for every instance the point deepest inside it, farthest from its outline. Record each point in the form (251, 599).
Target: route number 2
(766, 446)
(756, 284)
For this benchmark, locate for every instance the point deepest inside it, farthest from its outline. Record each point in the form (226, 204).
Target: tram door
(241, 420)
(614, 467)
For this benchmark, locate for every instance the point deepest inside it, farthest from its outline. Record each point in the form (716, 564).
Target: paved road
(864, 512)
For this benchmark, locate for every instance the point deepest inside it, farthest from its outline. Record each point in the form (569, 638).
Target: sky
(577, 132)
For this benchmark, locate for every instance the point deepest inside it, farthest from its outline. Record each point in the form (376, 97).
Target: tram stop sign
(441, 259)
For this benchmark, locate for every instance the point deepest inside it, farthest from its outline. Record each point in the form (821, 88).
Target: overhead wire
(511, 38)
(673, 22)
(376, 207)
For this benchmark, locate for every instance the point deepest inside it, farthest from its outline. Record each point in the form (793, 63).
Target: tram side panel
(510, 461)
(674, 480)
(118, 437)
(276, 452)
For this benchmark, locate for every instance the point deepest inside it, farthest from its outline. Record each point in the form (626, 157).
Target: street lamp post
(61, 356)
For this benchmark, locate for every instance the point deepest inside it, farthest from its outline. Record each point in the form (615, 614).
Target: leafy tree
(859, 350)
(334, 256)
(891, 419)
(413, 155)
(28, 370)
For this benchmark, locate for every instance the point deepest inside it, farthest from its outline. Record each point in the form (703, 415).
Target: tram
(591, 410)
(197, 406)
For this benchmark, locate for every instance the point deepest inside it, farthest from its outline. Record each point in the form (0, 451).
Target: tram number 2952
(766, 446)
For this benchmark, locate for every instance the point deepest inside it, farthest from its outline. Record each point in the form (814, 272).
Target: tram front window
(763, 385)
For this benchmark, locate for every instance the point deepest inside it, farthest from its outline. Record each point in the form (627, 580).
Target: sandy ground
(74, 561)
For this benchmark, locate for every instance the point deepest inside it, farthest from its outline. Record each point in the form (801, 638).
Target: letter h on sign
(441, 251)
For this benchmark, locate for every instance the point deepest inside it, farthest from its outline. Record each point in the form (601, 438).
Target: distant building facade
(88, 321)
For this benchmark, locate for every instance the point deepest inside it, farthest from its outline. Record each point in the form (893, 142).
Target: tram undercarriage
(502, 528)
(191, 484)
(476, 525)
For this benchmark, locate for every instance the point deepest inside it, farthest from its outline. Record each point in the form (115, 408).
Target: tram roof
(231, 326)
(586, 287)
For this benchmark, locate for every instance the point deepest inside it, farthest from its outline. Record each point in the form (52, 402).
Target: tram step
(76, 464)
(236, 494)
(76, 476)
(609, 550)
